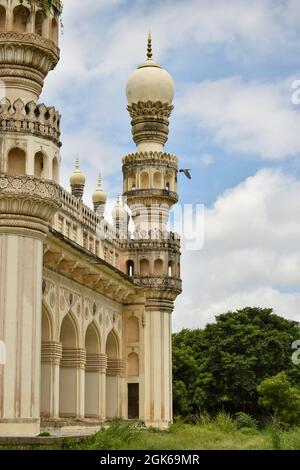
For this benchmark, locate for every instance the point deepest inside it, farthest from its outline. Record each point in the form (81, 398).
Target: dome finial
(149, 48)
(77, 162)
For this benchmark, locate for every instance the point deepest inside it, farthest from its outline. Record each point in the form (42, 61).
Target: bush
(225, 422)
(279, 396)
(243, 420)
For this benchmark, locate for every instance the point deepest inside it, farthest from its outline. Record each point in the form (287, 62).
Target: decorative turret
(28, 45)
(121, 218)
(99, 198)
(77, 181)
(150, 174)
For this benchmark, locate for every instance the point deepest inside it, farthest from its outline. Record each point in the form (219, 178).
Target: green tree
(222, 365)
(279, 396)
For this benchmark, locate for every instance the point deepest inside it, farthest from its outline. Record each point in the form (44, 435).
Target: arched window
(144, 267)
(39, 164)
(171, 269)
(130, 267)
(40, 22)
(133, 332)
(157, 180)
(2, 18)
(54, 30)
(55, 170)
(158, 267)
(16, 162)
(144, 180)
(21, 18)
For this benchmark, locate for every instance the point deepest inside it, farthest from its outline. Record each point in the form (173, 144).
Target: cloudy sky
(234, 63)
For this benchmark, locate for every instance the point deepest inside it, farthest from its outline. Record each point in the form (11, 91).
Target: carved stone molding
(73, 358)
(150, 121)
(148, 158)
(96, 362)
(160, 283)
(115, 367)
(151, 197)
(30, 118)
(28, 196)
(51, 352)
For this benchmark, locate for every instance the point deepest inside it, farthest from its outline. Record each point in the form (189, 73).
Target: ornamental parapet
(30, 118)
(167, 241)
(30, 39)
(160, 283)
(148, 158)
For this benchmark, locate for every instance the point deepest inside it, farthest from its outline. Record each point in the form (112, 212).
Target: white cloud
(246, 117)
(251, 252)
(206, 159)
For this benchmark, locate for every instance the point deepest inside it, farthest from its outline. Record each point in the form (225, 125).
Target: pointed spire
(149, 48)
(100, 181)
(77, 162)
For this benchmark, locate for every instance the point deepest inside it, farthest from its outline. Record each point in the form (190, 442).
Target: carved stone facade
(85, 306)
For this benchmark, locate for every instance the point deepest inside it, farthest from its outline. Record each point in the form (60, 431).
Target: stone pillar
(26, 206)
(94, 371)
(51, 357)
(158, 363)
(114, 377)
(72, 383)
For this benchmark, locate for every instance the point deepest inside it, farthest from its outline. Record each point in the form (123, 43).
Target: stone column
(72, 383)
(95, 369)
(51, 357)
(114, 377)
(26, 206)
(158, 363)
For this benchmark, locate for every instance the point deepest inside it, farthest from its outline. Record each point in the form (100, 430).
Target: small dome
(99, 196)
(77, 178)
(150, 82)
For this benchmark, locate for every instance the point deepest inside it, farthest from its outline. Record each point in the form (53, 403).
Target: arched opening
(112, 352)
(158, 267)
(68, 379)
(46, 365)
(133, 365)
(131, 183)
(16, 162)
(39, 164)
(144, 180)
(133, 330)
(130, 268)
(55, 170)
(2, 18)
(171, 269)
(21, 17)
(40, 23)
(157, 180)
(170, 183)
(144, 267)
(54, 30)
(92, 376)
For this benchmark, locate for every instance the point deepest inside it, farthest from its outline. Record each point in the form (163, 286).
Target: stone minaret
(29, 197)
(150, 190)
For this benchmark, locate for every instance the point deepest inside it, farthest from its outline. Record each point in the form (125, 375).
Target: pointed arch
(16, 161)
(47, 325)
(69, 332)
(55, 170)
(92, 339)
(54, 30)
(21, 17)
(112, 345)
(157, 180)
(2, 18)
(40, 23)
(144, 180)
(144, 267)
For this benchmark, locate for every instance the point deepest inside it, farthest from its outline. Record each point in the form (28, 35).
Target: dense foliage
(221, 366)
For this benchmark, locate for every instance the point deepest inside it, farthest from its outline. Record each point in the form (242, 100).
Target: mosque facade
(85, 304)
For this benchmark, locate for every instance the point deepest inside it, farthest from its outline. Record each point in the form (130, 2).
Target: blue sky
(233, 64)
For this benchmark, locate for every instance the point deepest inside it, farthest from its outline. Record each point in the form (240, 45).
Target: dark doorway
(133, 401)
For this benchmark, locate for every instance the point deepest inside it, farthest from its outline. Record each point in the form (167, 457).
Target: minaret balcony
(160, 283)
